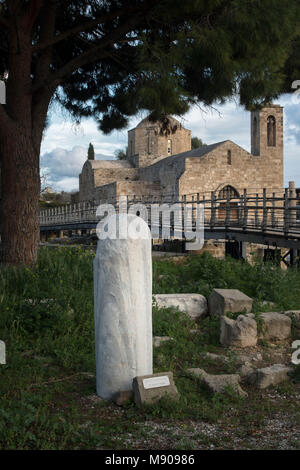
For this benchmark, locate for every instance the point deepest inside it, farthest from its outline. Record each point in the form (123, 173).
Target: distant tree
(91, 152)
(44, 176)
(121, 154)
(50, 198)
(196, 143)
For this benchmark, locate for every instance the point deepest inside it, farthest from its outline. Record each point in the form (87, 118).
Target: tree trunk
(20, 196)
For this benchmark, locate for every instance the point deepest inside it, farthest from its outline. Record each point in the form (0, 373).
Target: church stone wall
(148, 144)
(86, 184)
(213, 171)
(106, 193)
(139, 189)
(105, 176)
(111, 192)
(167, 173)
(92, 178)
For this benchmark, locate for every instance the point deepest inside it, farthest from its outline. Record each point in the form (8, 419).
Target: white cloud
(66, 184)
(228, 122)
(64, 162)
(63, 167)
(67, 135)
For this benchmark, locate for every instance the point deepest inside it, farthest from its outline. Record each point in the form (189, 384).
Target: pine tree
(121, 154)
(91, 152)
(196, 143)
(110, 59)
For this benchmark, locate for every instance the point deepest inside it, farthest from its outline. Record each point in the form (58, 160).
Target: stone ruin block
(194, 305)
(277, 326)
(241, 332)
(219, 383)
(293, 314)
(159, 340)
(150, 389)
(222, 301)
(273, 375)
(122, 397)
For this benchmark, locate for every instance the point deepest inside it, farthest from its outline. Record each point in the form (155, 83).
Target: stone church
(160, 163)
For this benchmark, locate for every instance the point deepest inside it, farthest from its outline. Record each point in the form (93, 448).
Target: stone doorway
(230, 211)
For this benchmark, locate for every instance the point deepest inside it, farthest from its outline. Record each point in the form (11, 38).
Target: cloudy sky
(64, 148)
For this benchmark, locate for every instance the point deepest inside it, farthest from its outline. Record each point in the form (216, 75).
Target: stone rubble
(194, 305)
(277, 326)
(219, 383)
(222, 301)
(241, 332)
(273, 375)
(293, 314)
(245, 371)
(159, 340)
(123, 397)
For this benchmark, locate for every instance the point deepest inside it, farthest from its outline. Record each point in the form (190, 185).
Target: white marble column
(123, 307)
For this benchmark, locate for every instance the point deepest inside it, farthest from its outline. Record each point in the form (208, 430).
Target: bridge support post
(236, 249)
(243, 250)
(292, 204)
(293, 258)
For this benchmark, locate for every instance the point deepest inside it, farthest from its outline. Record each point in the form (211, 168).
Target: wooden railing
(276, 211)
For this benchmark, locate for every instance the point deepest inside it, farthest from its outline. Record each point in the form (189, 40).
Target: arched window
(271, 131)
(229, 157)
(228, 211)
(148, 144)
(255, 134)
(228, 192)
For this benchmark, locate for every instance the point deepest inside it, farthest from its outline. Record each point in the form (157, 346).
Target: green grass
(47, 388)
(201, 274)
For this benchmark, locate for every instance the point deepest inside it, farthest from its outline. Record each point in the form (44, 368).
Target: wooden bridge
(267, 218)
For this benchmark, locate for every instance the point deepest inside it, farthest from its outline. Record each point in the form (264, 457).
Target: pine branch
(47, 26)
(88, 25)
(95, 53)
(33, 12)
(83, 27)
